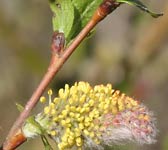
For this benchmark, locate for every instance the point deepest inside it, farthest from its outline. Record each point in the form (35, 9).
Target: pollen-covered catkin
(82, 116)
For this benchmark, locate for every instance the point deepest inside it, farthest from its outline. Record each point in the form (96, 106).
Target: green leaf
(31, 128)
(32, 121)
(70, 16)
(84, 10)
(63, 15)
(46, 143)
(140, 5)
(19, 107)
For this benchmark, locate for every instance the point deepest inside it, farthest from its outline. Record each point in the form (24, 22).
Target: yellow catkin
(78, 111)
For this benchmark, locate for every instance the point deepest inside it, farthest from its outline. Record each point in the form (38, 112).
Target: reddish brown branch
(58, 59)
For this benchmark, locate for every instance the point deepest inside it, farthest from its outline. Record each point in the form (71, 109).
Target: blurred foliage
(165, 143)
(129, 50)
(71, 16)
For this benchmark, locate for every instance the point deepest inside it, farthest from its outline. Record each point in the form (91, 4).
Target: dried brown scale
(17, 140)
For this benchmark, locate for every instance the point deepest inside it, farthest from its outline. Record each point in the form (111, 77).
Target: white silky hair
(117, 136)
(112, 136)
(91, 145)
(123, 135)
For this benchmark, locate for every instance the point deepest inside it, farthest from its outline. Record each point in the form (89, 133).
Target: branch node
(105, 8)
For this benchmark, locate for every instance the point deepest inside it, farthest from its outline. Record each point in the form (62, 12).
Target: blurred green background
(129, 49)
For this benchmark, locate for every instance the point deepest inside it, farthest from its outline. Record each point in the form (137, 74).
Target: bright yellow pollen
(46, 110)
(53, 133)
(81, 126)
(141, 116)
(86, 132)
(52, 105)
(64, 113)
(53, 112)
(79, 141)
(96, 141)
(42, 99)
(56, 100)
(50, 92)
(91, 134)
(79, 110)
(146, 117)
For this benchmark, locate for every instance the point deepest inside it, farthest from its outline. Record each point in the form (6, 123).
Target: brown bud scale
(58, 41)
